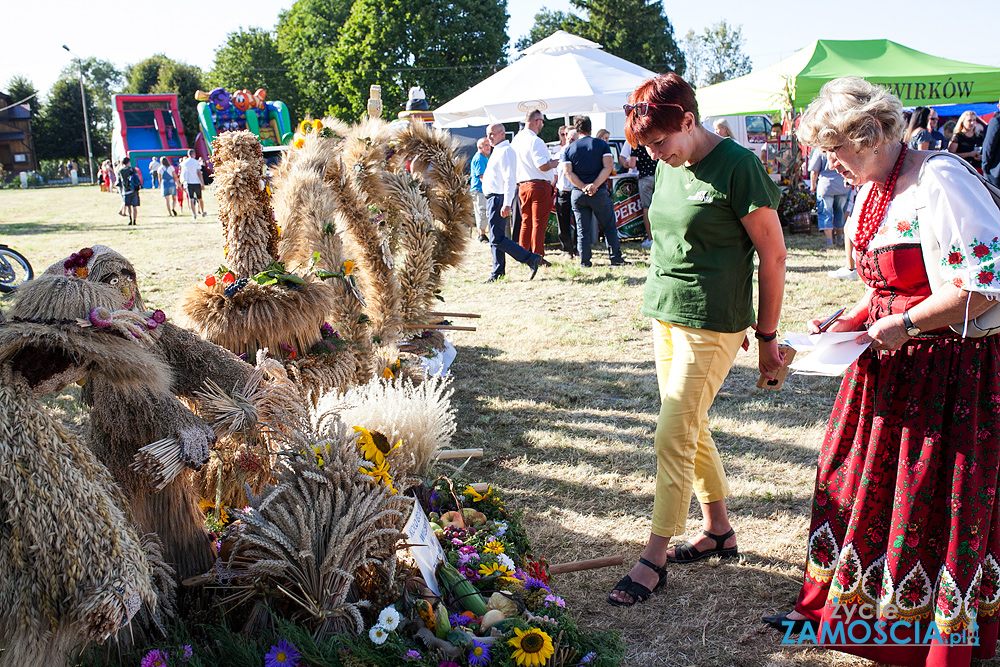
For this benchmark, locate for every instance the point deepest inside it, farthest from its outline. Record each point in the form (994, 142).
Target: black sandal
(637, 591)
(686, 553)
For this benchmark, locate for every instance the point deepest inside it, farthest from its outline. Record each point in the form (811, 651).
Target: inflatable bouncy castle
(221, 111)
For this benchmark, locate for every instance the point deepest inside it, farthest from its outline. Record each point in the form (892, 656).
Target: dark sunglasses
(642, 108)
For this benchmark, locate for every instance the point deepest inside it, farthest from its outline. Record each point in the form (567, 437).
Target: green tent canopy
(915, 78)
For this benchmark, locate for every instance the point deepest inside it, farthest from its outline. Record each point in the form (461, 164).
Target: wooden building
(17, 146)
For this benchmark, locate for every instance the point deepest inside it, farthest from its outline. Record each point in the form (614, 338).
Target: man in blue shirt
(477, 169)
(991, 150)
(588, 165)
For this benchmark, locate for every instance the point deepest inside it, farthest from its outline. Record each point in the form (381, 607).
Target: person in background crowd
(564, 205)
(937, 139)
(638, 158)
(963, 142)
(831, 197)
(192, 179)
(721, 127)
(991, 150)
(168, 184)
(104, 176)
(588, 163)
(154, 171)
(918, 134)
(947, 131)
(129, 191)
(713, 207)
(534, 182)
(477, 168)
(905, 510)
(603, 135)
(500, 186)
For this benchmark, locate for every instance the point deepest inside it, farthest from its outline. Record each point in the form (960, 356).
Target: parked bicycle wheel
(14, 269)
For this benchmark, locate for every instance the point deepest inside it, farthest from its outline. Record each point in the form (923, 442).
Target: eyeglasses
(642, 108)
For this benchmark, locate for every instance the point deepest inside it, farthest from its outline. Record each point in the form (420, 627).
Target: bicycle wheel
(14, 269)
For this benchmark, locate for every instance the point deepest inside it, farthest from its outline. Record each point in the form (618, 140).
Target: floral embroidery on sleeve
(977, 265)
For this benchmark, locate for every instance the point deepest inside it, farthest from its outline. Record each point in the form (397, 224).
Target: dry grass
(558, 386)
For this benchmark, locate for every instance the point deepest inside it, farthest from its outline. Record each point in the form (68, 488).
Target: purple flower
(326, 330)
(411, 655)
(186, 653)
(555, 599)
(155, 658)
(159, 316)
(283, 654)
(151, 323)
(466, 558)
(479, 654)
(531, 582)
(587, 658)
(100, 317)
(457, 542)
(449, 664)
(459, 620)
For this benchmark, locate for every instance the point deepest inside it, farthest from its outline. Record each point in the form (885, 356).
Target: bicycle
(15, 269)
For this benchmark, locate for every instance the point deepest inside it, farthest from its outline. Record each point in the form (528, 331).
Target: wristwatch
(911, 329)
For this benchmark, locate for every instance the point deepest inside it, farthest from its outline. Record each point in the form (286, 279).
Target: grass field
(558, 386)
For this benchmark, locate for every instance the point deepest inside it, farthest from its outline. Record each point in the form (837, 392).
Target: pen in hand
(830, 320)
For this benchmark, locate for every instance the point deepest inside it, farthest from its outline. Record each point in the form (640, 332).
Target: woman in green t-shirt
(713, 206)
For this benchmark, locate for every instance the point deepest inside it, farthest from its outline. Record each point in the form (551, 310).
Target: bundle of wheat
(312, 534)
(419, 415)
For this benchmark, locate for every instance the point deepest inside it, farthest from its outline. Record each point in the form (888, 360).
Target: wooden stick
(434, 313)
(445, 454)
(591, 564)
(438, 327)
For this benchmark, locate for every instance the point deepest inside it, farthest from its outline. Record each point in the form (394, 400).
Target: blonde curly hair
(850, 107)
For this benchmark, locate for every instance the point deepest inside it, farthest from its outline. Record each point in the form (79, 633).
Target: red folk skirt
(905, 511)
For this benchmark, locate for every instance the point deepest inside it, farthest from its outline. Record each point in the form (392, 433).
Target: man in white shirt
(534, 182)
(191, 176)
(499, 185)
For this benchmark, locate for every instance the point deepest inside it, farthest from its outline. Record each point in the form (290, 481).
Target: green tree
(250, 59)
(402, 43)
(635, 30)
(306, 36)
(20, 87)
(59, 132)
(160, 74)
(546, 23)
(716, 54)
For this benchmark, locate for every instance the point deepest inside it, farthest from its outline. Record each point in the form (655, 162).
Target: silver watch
(911, 329)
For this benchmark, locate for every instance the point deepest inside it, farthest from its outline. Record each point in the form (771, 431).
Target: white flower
(389, 618)
(501, 528)
(378, 634)
(506, 561)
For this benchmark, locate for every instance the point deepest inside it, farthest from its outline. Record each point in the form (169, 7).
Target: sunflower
(379, 474)
(532, 648)
(374, 446)
(317, 125)
(305, 127)
(494, 547)
(299, 142)
(489, 569)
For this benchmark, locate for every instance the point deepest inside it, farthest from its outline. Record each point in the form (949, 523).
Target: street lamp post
(86, 123)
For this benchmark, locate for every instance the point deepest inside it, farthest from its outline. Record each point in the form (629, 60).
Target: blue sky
(190, 32)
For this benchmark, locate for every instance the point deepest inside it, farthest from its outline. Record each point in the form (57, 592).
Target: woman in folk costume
(905, 510)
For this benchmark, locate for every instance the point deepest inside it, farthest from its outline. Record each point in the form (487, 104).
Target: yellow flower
(379, 473)
(374, 446)
(489, 569)
(494, 547)
(317, 125)
(305, 127)
(319, 455)
(532, 647)
(475, 496)
(348, 268)
(299, 142)
(206, 505)
(387, 374)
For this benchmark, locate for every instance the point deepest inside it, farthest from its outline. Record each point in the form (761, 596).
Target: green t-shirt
(701, 262)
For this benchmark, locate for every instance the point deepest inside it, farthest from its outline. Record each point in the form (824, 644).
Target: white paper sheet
(424, 546)
(830, 353)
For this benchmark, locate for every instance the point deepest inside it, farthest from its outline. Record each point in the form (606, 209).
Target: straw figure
(397, 201)
(258, 302)
(151, 440)
(73, 568)
(323, 539)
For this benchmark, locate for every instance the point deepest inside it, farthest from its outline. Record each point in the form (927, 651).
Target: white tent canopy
(561, 75)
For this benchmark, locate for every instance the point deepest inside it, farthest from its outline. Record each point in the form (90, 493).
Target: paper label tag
(424, 546)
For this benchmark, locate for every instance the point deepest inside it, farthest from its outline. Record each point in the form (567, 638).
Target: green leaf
(898, 542)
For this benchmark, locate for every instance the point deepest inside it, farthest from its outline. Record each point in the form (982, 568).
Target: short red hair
(662, 89)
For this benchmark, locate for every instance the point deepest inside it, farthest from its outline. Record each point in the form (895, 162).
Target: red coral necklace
(877, 201)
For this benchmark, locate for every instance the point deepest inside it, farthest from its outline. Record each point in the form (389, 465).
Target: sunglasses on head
(642, 108)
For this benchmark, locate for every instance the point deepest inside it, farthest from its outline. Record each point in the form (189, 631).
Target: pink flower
(155, 658)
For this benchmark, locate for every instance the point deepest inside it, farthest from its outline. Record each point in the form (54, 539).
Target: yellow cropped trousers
(691, 365)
